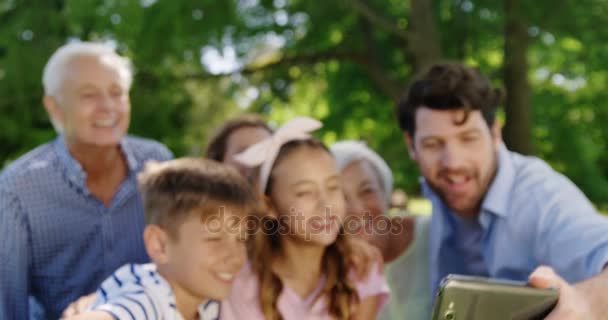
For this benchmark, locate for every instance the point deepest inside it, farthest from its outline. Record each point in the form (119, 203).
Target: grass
(419, 206)
(422, 206)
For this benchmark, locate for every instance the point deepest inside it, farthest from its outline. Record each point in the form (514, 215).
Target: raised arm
(586, 300)
(572, 239)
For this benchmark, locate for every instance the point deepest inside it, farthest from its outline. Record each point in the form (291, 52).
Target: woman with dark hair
(236, 135)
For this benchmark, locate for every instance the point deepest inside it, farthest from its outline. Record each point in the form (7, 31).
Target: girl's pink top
(244, 303)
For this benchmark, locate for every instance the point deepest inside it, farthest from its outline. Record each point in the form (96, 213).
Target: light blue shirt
(464, 247)
(57, 241)
(530, 216)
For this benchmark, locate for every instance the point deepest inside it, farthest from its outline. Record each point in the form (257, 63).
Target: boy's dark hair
(449, 86)
(216, 146)
(171, 190)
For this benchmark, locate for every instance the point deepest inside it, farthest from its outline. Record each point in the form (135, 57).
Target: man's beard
(471, 208)
(480, 187)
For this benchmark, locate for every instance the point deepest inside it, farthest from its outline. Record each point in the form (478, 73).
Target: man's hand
(572, 304)
(79, 306)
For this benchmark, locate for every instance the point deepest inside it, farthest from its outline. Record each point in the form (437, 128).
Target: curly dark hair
(449, 86)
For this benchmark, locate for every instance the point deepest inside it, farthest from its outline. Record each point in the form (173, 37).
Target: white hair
(57, 66)
(349, 151)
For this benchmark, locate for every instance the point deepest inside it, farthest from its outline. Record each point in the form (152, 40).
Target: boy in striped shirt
(196, 213)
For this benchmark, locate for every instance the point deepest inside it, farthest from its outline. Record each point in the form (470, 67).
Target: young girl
(297, 267)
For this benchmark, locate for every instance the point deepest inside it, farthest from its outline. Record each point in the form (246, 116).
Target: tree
(517, 131)
(343, 61)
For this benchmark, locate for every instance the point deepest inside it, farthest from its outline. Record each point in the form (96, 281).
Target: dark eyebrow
(470, 131)
(427, 138)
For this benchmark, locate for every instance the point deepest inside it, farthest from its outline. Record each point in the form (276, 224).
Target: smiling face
(93, 105)
(363, 193)
(203, 258)
(457, 160)
(308, 199)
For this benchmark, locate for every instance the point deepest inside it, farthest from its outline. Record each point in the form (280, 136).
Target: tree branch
(286, 61)
(384, 83)
(376, 73)
(387, 24)
(374, 68)
(307, 58)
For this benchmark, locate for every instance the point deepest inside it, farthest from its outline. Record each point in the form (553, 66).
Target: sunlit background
(345, 62)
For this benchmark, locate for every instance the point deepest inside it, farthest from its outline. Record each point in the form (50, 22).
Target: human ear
(496, 131)
(156, 241)
(55, 111)
(409, 142)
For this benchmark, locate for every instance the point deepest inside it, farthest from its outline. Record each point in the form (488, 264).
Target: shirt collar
(127, 150)
(427, 191)
(74, 170)
(209, 310)
(496, 200)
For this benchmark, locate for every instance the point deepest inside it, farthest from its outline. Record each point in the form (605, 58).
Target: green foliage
(342, 61)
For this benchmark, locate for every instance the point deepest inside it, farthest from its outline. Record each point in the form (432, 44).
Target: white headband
(265, 152)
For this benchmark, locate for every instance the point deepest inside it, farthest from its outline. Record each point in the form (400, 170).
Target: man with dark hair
(497, 213)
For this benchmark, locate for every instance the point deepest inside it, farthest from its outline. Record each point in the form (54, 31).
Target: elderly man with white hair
(70, 213)
(367, 182)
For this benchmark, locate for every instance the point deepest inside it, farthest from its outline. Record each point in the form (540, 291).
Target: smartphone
(475, 298)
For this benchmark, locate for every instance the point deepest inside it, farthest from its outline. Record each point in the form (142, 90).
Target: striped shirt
(139, 292)
(58, 241)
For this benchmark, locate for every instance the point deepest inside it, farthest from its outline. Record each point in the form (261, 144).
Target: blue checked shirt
(138, 291)
(57, 241)
(530, 216)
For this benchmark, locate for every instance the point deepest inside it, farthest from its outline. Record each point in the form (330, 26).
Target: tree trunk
(517, 130)
(424, 46)
(420, 43)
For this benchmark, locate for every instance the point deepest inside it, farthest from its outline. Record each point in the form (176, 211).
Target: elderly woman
(368, 185)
